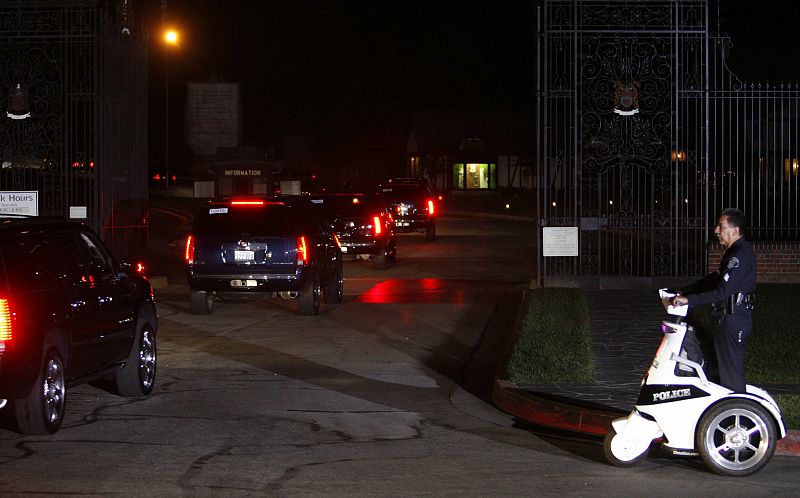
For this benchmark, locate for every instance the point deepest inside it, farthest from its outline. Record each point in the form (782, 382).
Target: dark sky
(307, 65)
(302, 64)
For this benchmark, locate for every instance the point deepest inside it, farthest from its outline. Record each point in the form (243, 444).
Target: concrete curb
(538, 410)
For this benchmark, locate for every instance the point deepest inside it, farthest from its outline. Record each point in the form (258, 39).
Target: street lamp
(171, 38)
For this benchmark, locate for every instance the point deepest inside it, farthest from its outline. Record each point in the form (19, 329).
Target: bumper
(412, 223)
(247, 283)
(18, 377)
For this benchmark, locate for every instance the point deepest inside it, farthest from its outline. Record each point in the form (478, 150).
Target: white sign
(559, 241)
(19, 203)
(290, 187)
(77, 212)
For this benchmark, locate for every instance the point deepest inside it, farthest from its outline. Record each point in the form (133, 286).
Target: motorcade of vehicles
(411, 204)
(362, 225)
(256, 247)
(69, 314)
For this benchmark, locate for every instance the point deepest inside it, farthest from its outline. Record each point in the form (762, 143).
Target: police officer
(734, 284)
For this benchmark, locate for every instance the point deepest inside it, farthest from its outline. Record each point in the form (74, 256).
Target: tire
(609, 444)
(380, 262)
(308, 298)
(430, 234)
(202, 302)
(333, 293)
(736, 437)
(137, 378)
(42, 411)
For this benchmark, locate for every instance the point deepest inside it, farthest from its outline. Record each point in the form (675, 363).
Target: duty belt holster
(735, 302)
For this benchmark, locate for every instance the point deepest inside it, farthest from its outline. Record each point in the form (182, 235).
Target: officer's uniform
(733, 284)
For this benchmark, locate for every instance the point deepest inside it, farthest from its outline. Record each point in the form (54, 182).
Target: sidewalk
(624, 327)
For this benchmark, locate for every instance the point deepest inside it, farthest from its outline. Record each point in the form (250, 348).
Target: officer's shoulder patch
(733, 263)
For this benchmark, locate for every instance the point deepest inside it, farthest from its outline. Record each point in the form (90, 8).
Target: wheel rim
(53, 390)
(737, 439)
(317, 291)
(147, 359)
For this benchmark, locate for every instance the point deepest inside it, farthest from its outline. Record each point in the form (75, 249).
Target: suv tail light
(6, 332)
(376, 225)
(189, 254)
(302, 251)
(430, 207)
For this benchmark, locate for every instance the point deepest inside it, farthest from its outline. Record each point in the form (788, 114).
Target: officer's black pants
(734, 329)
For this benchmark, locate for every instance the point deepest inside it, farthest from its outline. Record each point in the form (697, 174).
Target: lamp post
(171, 40)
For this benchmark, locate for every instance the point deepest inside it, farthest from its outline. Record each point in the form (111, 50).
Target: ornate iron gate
(77, 75)
(644, 135)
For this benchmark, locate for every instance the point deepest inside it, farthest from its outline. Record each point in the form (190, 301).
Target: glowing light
(171, 37)
(5, 321)
(189, 254)
(247, 203)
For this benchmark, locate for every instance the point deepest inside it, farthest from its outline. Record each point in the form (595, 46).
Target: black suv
(68, 314)
(362, 225)
(411, 205)
(257, 247)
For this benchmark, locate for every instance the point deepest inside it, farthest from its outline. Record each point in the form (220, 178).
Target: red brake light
(376, 224)
(430, 207)
(189, 254)
(302, 251)
(139, 267)
(247, 203)
(6, 332)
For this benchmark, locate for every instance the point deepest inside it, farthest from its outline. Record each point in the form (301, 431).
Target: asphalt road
(383, 395)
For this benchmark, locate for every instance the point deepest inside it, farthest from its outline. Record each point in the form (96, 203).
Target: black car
(411, 204)
(257, 247)
(362, 225)
(69, 313)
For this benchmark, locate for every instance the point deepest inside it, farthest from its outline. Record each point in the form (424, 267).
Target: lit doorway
(474, 176)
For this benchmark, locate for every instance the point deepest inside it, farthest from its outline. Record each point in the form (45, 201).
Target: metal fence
(644, 135)
(78, 76)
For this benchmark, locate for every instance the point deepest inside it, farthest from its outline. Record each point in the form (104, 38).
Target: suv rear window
(270, 219)
(34, 261)
(400, 192)
(342, 206)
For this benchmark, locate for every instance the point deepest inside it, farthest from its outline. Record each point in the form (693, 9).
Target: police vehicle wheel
(202, 302)
(308, 298)
(736, 437)
(620, 450)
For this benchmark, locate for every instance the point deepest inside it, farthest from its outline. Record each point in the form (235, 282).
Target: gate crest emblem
(626, 98)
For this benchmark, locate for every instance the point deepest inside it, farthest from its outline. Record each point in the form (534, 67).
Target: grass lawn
(553, 342)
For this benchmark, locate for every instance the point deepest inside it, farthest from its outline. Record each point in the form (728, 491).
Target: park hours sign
(19, 202)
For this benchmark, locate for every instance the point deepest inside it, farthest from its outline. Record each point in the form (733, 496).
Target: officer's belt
(748, 300)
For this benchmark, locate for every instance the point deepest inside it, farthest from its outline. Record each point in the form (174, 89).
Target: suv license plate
(244, 255)
(244, 283)
(402, 223)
